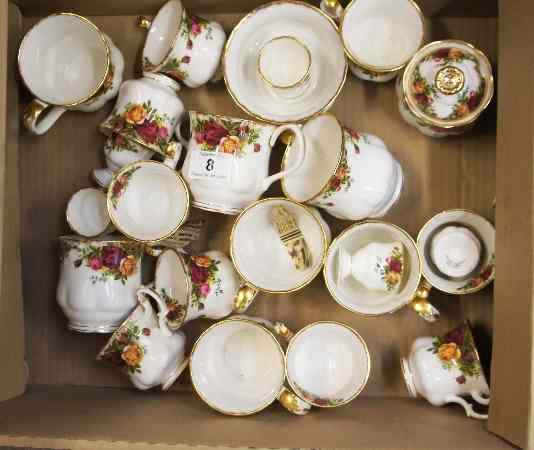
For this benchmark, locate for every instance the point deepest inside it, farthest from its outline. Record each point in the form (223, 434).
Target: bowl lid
(448, 83)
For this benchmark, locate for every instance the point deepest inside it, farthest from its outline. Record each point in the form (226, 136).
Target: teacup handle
(278, 328)
(144, 292)
(332, 8)
(297, 131)
(468, 407)
(172, 154)
(32, 116)
(420, 302)
(144, 22)
(244, 298)
(477, 397)
(293, 403)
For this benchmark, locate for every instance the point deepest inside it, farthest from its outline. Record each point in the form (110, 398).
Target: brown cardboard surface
(171, 418)
(12, 342)
(512, 380)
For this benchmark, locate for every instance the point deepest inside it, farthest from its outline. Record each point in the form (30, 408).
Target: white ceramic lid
(352, 294)
(484, 231)
(284, 18)
(237, 367)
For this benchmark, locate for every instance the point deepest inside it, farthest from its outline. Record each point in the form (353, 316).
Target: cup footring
(175, 373)
(408, 378)
(104, 329)
(213, 207)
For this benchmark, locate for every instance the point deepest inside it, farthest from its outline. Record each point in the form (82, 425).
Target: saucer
(481, 228)
(308, 25)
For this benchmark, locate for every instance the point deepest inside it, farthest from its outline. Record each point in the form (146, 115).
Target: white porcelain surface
(265, 263)
(237, 367)
(328, 364)
(67, 62)
(87, 214)
(188, 287)
(149, 355)
(310, 26)
(148, 201)
(227, 162)
(146, 112)
(182, 46)
(479, 229)
(98, 282)
(378, 266)
(352, 294)
(445, 369)
(351, 175)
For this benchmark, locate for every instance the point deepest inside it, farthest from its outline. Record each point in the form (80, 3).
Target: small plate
(310, 26)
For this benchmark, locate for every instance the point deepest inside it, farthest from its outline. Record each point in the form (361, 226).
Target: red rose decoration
(112, 256)
(148, 131)
(473, 101)
(213, 133)
(199, 275)
(395, 265)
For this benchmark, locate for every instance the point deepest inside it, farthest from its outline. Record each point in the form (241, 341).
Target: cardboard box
(68, 400)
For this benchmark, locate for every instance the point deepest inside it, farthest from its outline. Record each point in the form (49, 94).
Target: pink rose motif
(163, 132)
(214, 133)
(395, 265)
(199, 275)
(148, 131)
(205, 289)
(200, 137)
(95, 263)
(112, 256)
(196, 29)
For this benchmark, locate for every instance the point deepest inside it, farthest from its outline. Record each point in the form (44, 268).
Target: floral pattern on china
(457, 350)
(116, 261)
(391, 269)
(120, 185)
(481, 279)
(205, 279)
(225, 136)
(462, 74)
(174, 67)
(124, 351)
(176, 311)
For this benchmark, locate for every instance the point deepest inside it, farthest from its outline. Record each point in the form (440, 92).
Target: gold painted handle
(293, 403)
(244, 297)
(144, 22)
(38, 117)
(420, 302)
(332, 8)
(278, 328)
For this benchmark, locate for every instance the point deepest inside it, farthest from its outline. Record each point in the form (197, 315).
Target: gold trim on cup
(377, 69)
(304, 283)
(410, 297)
(220, 323)
(339, 161)
(295, 388)
(142, 163)
(447, 211)
(466, 120)
(102, 36)
(304, 77)
(227, 45)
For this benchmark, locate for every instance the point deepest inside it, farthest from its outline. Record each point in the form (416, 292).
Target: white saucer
(283, 18)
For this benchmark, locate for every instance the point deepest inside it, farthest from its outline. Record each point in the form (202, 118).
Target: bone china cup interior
(351, 294)
(328, 364)
(148, 201)
(261, 258)
(237, 367)
(64, 59)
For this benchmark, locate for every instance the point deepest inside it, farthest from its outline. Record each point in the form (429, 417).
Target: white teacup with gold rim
(87, 214)
(401, 276)
(187, 287)
(458, 251)
(145, 350)
(67, 63)
(227, 161)
(148, 201)
(379, 36)
(182, 46)
(265, 264)
(351, 175)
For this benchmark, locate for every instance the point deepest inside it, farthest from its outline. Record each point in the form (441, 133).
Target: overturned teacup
(87, 214)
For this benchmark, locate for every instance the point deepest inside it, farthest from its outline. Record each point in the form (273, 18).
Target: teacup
(378, 266)
(458, 251)
(187, 287)
(227, 162)
(67, 63)
(149, 354)
(182, 46)
(351, 175)
(148, 201)
(98, 282)
(146, 112)
(264, 263)
(445, 369)
(379, 36)
(87, 214)
(238, 368)
(355, 296)
(284, 63)
(327, 364)
(120, 152)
